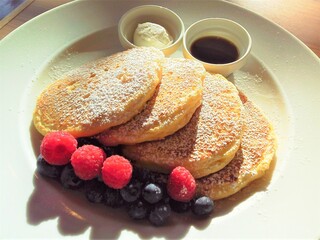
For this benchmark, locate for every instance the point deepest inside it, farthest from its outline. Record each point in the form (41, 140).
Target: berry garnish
(57, 147)
(179, 207)
(140, 174)
(116, 172)
(181, 185)
(138, 210)
(69, 179)
(202, 206)
(88, 141)
(152, 193)
(87, 161)
(159, 215)
(93, 141)
(94, 191)
(112, 198)
(131, 192)
(48, 170)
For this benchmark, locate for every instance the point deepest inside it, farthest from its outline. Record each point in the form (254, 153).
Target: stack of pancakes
(163, 112)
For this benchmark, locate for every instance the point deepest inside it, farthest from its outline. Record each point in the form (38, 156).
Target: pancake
(207, 143)
(257, 150)
(101, 94)
(176, 99)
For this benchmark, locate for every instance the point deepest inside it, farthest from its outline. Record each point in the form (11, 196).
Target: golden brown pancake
(258, 146)
(100, 94)
(207, 143)
(176, 99)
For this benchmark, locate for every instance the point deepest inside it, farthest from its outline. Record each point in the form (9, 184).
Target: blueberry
(69, 179)
(152, 193)
(138, 210)
(179, 207)
(48, 170)
(159, 215)
(94, 191)
(202, 206)
(112, 198)
(132, 191)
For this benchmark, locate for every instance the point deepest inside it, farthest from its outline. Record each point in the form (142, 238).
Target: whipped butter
(151, 35)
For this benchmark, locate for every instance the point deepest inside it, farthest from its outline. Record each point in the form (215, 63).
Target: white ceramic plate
(282, 78)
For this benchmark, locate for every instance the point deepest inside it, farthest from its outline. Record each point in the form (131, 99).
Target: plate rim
(21, 28)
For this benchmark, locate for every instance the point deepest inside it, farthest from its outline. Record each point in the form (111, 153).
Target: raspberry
(87, 161)
(116, 172)
(181, 185)
(57, 147)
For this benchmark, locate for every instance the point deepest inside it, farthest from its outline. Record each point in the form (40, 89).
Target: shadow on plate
(75, 215)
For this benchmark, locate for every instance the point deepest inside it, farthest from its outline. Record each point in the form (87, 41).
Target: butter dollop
(151, 35)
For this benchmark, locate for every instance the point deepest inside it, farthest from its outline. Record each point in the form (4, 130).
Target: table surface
(301, 18)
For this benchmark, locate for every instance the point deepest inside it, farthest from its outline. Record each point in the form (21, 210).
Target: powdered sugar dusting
(213, 129)
(99, 94)
(177, 97)
(255, 144)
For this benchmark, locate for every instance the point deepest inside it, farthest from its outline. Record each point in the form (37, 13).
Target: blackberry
(152, 193)
(111, 150)
(93, 141)
(140, 174)
(94, 191)
(112, 198)
(88, 141)
(48, 170)
(179, 207)
(138, 210)
(202, 206)
(132, 191)
(165, 198)
(99, 178)
(159, 215)
(158, 178)
(69, 179)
